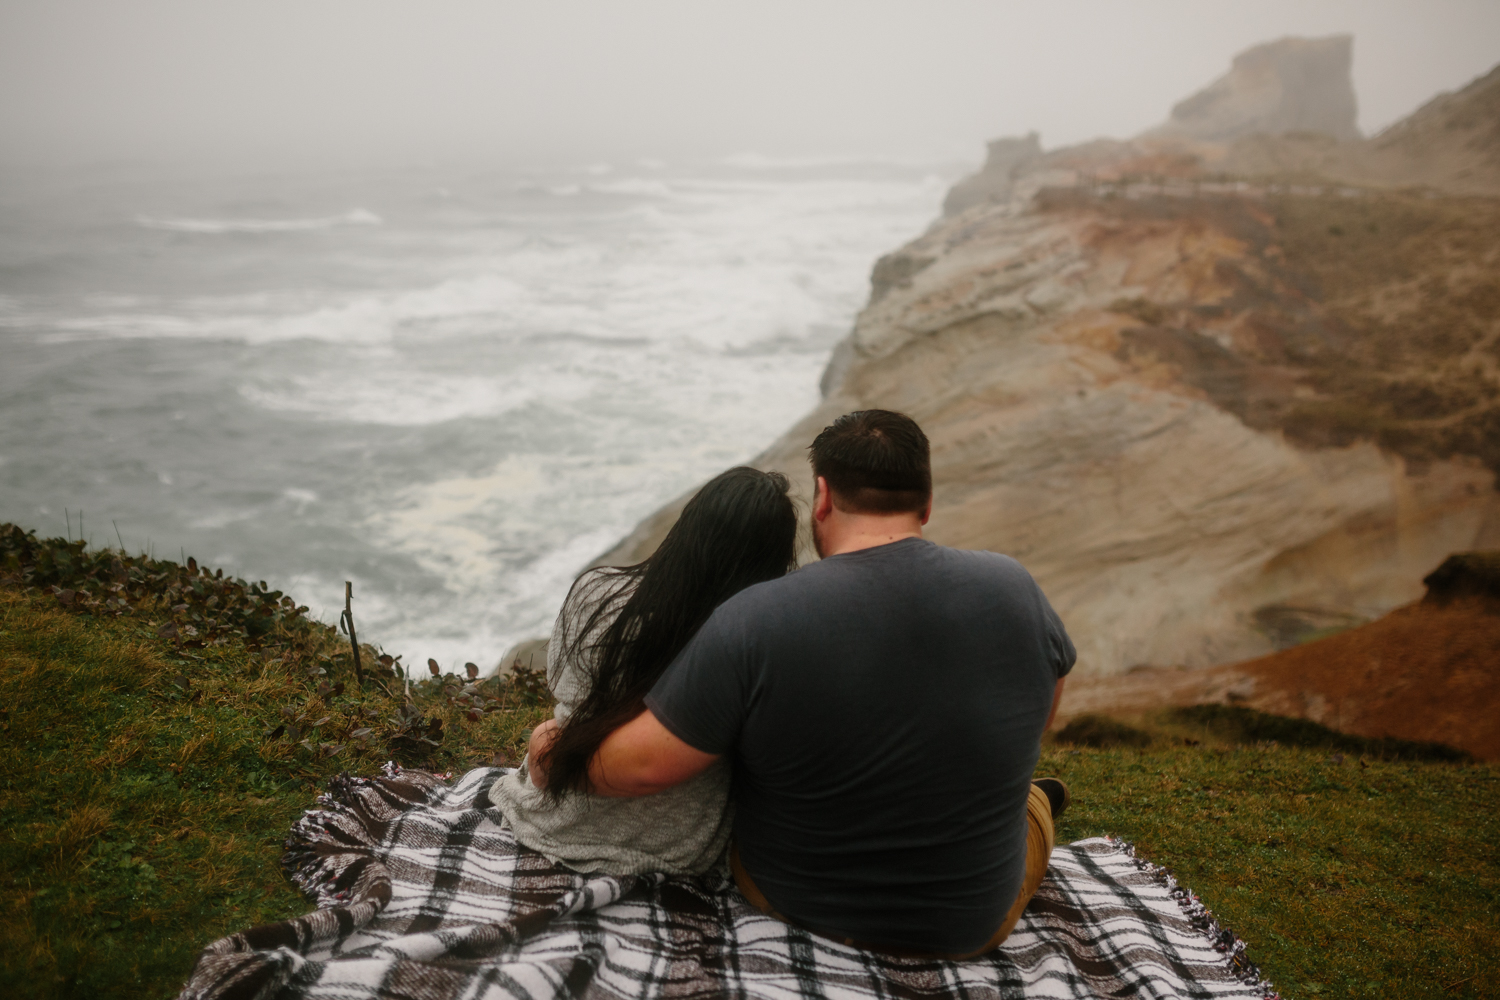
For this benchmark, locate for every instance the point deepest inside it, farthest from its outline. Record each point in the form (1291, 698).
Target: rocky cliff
(1451, 144)
(1212, 415)
(1291, 85)
(1008, 159)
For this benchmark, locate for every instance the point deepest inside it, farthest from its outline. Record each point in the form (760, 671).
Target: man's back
(884, 709)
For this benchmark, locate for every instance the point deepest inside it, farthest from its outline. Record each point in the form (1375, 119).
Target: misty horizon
(279, 86)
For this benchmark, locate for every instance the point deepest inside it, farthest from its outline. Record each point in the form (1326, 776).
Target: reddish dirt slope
(1427, 671)
(1423, 672)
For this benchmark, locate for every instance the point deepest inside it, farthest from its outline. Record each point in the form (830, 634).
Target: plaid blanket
(423, 894)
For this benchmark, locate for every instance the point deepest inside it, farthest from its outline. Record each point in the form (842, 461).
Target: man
(883, 708)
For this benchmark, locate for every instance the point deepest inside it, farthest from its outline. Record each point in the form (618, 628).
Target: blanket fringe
(1224, 940)
(330, 852)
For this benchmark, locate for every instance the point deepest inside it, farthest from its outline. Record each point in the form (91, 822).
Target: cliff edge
(1212, 414)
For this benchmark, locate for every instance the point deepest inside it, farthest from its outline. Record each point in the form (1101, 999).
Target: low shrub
(1236, 724)
(1100, 731)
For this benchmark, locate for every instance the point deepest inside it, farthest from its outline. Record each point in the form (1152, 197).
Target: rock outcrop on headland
(1007, 160)
(1451, 144)
(1290, 85)
(1212, 416)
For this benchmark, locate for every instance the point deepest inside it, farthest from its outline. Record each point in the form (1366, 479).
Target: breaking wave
(355, 217)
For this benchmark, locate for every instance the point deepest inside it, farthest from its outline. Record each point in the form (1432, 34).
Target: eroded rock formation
(1290, 85)
(995, 182)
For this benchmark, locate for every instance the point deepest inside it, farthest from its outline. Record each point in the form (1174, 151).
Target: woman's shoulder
(594, 588)
(591, 605)
(598, 584)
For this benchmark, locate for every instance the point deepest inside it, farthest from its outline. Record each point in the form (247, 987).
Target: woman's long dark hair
(739, 529)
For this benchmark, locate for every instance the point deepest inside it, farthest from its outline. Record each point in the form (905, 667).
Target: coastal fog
(445, 301)
(381, 82)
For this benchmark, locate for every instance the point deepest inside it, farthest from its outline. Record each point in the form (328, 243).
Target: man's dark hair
(875, 462)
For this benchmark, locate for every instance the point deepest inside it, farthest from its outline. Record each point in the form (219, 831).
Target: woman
(618, 630)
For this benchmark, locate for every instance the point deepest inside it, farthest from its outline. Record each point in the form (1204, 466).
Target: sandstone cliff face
(1291, 85)
(1211, 418)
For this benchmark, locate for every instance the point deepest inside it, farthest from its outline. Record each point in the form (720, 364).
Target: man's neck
(867, 531)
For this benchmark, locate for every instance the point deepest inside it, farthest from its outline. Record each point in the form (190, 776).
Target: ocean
(453, 388)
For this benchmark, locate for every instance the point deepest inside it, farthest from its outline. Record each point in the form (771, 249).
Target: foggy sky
(397, 81)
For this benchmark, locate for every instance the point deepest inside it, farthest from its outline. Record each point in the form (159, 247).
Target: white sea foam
(743, 261)
(299, 498)
(221, 518)
(354, 217)
(366, 320)
(507, 545)
(639, 186)
(752, 160)
(461, 414)
(402, 397)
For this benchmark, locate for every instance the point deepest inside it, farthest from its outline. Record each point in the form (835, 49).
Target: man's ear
(927, 511)
(822, 500)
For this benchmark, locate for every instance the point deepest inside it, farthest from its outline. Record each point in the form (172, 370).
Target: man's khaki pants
(1040, 839)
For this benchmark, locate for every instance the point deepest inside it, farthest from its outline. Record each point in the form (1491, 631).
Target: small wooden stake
(348, 617)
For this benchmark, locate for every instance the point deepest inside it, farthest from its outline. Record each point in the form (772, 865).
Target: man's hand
(541, 738)
(644, 757)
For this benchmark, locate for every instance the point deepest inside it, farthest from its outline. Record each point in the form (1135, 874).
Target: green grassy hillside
(1348, 876)
(164, 726)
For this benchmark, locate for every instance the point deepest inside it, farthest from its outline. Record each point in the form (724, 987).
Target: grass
(150, 776)
(1347, 876)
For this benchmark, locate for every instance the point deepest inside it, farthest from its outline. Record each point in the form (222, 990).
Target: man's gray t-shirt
(884, 710)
